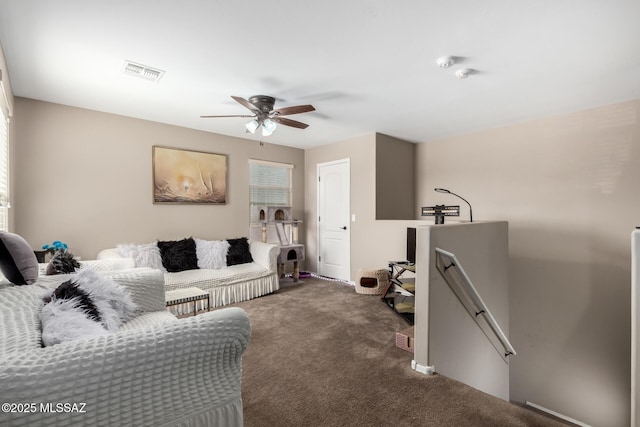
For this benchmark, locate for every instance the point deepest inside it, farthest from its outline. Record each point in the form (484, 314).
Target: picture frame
(183, 176)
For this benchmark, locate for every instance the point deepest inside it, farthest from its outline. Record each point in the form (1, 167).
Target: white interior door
(334, 232)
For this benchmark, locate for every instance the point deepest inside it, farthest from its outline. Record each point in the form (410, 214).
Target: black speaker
(411, 245)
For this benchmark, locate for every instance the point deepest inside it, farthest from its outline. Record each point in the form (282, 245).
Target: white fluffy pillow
(147, 255)
(63, 320)
(212, 254)
(68, 314)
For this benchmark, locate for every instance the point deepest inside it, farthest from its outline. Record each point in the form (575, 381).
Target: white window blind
(4, 162)
(269, 185)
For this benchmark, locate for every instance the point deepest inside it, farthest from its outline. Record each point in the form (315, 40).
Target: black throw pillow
(238, 252)
(178, 255)
(18, 262)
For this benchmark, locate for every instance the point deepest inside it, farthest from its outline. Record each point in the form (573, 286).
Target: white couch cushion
(109, 264)
(20, 317)
(149, 319)
(210, 278)
(146, 286)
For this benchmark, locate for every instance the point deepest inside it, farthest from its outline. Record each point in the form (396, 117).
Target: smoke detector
(446, 61)
(143, 71)
(463, 73)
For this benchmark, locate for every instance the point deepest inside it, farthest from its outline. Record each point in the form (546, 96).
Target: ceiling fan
(264, 115)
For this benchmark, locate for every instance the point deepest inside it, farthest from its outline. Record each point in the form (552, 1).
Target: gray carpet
(322, 355)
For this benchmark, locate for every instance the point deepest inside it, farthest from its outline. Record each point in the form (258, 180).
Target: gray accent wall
(395, 178)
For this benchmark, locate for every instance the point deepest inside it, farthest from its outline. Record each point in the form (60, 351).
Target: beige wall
(565, 184)
(568, 186)
(373, 243)
(84, 177)
(448, 338)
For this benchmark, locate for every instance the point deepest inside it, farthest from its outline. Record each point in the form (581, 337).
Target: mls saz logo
(78, 408)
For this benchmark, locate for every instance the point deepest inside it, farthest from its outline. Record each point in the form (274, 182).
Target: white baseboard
(556, 414)
(427, 370)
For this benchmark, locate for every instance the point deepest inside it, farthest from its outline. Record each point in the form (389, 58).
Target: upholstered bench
(188, 295)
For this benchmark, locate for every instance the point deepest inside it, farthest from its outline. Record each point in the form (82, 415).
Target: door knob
(344, 228)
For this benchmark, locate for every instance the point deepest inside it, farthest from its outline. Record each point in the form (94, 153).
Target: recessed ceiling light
(143, 71)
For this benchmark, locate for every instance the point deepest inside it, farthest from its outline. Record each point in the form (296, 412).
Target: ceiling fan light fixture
(264, 115)
(252, 126)
(268, 126)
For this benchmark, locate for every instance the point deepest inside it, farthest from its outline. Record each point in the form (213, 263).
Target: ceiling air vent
(138, 70)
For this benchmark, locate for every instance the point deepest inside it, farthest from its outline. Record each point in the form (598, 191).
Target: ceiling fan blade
(288, 122)
(212, 117)
(245, 103)
(286, 111)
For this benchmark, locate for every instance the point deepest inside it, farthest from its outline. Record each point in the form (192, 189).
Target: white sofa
(156, 370)
(227, 285)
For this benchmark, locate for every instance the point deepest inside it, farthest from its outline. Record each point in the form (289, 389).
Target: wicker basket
(372, 281)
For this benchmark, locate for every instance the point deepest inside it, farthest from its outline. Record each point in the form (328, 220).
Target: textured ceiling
(367, 66)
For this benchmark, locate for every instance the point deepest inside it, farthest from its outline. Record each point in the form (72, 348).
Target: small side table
(293, 253)
(182, 296)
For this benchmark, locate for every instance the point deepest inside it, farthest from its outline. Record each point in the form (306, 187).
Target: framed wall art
(186, 176)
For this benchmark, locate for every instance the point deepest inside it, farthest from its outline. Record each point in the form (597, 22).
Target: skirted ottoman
(372, 281)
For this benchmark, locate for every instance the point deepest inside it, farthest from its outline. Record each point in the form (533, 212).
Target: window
(4, 160)
(269, 185)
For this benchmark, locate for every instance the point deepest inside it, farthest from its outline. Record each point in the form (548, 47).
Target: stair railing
(461, 285)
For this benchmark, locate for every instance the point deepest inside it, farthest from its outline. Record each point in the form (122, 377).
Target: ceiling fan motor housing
(263, 103)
